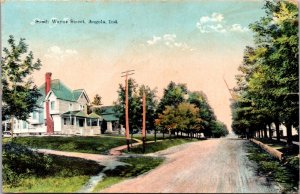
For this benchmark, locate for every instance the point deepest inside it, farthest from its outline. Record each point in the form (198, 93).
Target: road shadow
(236, 139)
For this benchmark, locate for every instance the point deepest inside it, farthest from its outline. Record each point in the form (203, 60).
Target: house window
(94, 122)
(34, 115)
(52, 105)
(24, 124)
(65, 121)
(72, 121)
(70, 106)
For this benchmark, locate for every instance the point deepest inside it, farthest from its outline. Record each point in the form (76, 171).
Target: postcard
(150, 96)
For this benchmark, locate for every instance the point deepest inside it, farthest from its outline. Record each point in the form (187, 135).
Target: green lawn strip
(49, 184)
(28, 171)
(283, 172)
(95, 145)
(107, 182)
(136, 166)
(161, 145)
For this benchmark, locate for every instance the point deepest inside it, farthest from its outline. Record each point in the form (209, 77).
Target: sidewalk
(117, 151)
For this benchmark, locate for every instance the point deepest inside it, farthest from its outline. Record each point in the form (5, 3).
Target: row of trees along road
(268, 87)
(178, 110)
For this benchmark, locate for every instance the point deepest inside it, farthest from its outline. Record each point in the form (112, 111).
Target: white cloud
(170, 37)
(154, 40)
(238, 28)
(216, 23)
(168, 40)
(55, 52)
(215, 17)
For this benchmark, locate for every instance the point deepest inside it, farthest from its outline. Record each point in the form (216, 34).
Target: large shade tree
(181, 118)
(19, 92)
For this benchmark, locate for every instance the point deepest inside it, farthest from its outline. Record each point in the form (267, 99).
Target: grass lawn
(95, 145)
(27, 171)
(286, 173)
(161, 145)
(107, 182)
(49, 184)
(137, 166)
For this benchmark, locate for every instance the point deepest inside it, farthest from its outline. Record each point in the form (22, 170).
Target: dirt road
(216, 165)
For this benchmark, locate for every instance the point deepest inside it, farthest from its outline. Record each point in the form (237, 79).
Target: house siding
(58, 97)
(57, 123)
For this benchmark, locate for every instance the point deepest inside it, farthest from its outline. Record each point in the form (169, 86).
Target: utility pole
(126, 74)
(230, 90)
(144, 121)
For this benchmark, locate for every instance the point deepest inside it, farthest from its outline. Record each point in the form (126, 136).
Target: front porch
(77, 122)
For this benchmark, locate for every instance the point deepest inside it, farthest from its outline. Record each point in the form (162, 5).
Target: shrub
(18, 161)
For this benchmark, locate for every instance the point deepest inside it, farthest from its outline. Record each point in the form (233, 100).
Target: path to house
(215, 165)
(109, 161)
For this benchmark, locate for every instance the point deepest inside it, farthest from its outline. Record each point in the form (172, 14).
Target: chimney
(47, 82)
(49, 121)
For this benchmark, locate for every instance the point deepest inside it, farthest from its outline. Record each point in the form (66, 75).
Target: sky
(199, 43)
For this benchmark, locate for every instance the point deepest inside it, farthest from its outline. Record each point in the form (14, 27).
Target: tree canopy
(268, 86)
(135, 93)
(19, 92)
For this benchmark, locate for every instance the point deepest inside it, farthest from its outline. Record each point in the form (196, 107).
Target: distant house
(110, 121)
(62, 111)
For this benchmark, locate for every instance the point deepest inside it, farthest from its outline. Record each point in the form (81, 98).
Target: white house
(62, 111)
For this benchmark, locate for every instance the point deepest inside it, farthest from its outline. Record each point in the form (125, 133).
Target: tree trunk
(289, 134)
(277, 131)
(270, 131)
(265, 132)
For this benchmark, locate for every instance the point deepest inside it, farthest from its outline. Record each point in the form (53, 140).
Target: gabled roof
(95, 116)
(110, 117)
(77, 93)
(108, 113)
(107, 110)
(61, 91)
(79, 113)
